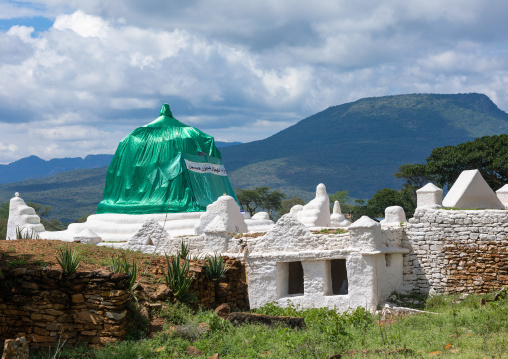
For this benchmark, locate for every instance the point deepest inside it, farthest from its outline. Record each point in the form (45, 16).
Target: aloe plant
(22, 233)
(184, 250)
(121, 265)
(69, 260)
(178, 279)
(214, 268)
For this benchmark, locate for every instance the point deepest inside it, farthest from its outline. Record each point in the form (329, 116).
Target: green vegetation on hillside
(70, 195)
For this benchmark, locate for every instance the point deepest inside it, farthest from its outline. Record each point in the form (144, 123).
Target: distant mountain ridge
(356, 146)
(34, 167)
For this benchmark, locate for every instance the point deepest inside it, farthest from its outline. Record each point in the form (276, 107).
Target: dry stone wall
(456, 251)
(45, 306)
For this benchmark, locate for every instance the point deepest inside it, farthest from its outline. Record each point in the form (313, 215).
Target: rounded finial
(16, 194)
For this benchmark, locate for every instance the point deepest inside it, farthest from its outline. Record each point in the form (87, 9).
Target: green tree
(42, 212)
(341, 196)
(4, 217)
(260, 198)
(386, 197)
(288, 203)
(416, 175)
(488, 154)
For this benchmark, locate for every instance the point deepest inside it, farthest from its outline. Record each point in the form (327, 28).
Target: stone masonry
(45, 306)
(456, 251)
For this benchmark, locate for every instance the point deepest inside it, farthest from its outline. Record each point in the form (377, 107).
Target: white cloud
(239, 70)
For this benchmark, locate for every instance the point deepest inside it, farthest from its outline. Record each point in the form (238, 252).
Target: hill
(358, 146)
(71, 194)
(35, 167)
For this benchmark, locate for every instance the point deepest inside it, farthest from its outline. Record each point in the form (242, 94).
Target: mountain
(356, 146)
(35, 167)
(70, 194)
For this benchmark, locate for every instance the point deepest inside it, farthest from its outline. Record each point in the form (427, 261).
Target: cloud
(240, 71)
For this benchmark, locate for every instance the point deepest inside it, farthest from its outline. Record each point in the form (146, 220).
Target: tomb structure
(316, 213)
(290, 264)
(23, 220)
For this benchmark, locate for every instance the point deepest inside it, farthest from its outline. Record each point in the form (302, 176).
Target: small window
(388, 259)
(295, 278)
(338, 273)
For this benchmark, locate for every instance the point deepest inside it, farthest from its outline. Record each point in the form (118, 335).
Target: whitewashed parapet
(366, 235)
(394, 215)
(429, 196)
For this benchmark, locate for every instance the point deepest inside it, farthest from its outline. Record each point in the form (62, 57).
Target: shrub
(178, 280)
(69, 260)
(214, 268)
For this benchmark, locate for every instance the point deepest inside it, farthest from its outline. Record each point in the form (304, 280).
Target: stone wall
(232, 289)
(456, 251)
(44, 306)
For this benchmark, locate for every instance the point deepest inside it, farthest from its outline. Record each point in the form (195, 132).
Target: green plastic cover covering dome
(165, 166)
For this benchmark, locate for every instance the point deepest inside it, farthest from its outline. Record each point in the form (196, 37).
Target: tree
(416, 175)
(42, 212)
(488, 154)
(260, 198)
(386, 197)
(341, 196)
(4, 217)
(288, 203)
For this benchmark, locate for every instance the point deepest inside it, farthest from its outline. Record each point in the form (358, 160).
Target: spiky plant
(214, 268)
(178, 279)
(69, 260)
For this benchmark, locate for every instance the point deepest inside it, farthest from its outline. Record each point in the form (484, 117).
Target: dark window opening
(295, 278)
(339, 276)
(388, 259)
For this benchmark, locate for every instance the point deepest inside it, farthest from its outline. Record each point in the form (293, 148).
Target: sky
(76, 76)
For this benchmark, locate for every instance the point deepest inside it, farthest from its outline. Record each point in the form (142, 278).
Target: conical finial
(16, 194)
(165, 111)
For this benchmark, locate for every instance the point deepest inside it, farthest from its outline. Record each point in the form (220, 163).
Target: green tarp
(165, 166)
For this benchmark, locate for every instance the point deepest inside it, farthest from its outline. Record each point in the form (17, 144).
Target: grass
(463, 328)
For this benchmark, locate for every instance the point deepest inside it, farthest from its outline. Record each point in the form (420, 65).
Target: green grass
(461, 329)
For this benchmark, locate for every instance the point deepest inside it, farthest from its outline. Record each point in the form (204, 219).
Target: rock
(15, 349)
(223, 310)
(193, 351)
(162, 292)
(239, 318)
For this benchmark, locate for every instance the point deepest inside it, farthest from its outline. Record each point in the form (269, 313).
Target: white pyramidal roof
(470, 191)
(429, 188)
